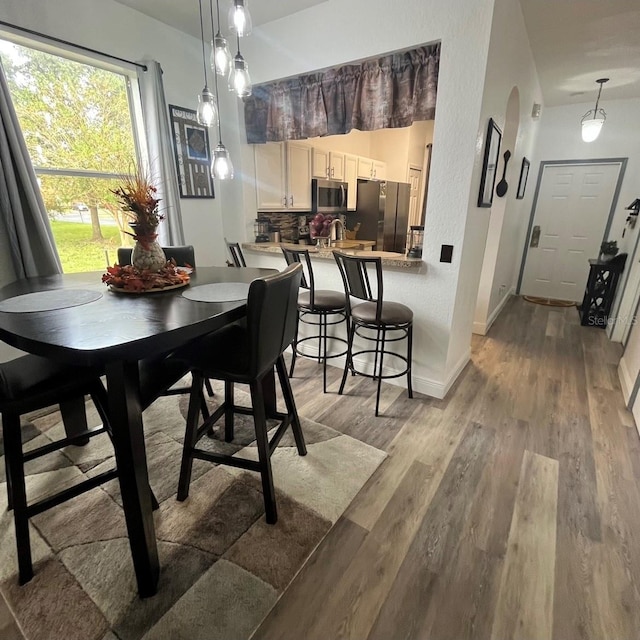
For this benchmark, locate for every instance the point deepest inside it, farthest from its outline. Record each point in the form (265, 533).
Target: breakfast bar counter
(389, 259)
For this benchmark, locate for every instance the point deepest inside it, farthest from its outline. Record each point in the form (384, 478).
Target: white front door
(569, 222)
(414, 196)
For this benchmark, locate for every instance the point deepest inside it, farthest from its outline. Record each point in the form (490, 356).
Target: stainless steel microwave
(328, 196)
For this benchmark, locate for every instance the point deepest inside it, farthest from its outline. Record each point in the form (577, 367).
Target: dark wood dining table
(116, 331)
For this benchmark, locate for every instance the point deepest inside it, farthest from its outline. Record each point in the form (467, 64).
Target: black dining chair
(375, 315)
(246, 353)
(315, 306)
(184, 255)
(235, 251)
(30, 383)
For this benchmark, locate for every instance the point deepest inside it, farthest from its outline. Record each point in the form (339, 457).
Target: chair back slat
(301, 256)
(235, 251)
(355, 277)
(272, 308)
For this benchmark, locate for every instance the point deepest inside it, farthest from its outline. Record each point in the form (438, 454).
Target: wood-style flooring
(509, 510)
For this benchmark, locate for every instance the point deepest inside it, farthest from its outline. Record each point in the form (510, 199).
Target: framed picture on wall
(522, 183)
(192, 152)
(489, 164)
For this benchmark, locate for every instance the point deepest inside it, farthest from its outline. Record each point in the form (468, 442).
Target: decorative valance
(384, 93)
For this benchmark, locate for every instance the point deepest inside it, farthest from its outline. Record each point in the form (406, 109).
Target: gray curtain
(161, 162)
(23, 216)
(385, 93)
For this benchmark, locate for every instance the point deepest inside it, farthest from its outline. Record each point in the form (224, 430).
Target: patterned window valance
(385, 93)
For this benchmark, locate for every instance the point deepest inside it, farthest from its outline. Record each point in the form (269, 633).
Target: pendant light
(220, 54)
(239, 18)
(221, 167)
(207, 112)
(239, 80)
(593, 120)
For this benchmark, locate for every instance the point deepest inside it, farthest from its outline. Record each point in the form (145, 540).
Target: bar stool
(236, 254)
(246, 353)
(375, 315)
(319, 304)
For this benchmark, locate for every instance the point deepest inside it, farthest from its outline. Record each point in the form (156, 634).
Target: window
(77, 123)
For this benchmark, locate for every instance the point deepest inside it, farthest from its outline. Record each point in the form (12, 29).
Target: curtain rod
(70, 44)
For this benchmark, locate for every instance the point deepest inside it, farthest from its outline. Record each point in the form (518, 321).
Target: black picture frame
(192, 153)
(524, 175)
(489, 164)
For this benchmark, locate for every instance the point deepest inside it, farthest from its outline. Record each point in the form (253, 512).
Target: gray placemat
(218, 292)
(49, 300)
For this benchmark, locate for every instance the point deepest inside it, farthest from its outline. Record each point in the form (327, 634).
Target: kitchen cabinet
(370, 169)
(320, 163)
(351, 178)
(283, 176)
(336, 166)
(327, 164)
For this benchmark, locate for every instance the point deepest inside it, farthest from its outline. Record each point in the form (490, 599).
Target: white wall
(314, 39)
(113, 28)
(510, 64)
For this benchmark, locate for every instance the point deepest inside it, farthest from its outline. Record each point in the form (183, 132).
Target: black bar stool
(246, 353)
(319, 304)
(376, 315)
(235, 251)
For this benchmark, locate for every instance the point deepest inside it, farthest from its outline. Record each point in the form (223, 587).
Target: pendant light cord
(204, 64)
(215, 73)
(598, 98)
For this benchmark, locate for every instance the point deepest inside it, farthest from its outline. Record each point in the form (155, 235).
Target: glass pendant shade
(220, 55)
(222, 168)
(207, 112)
(591, 125)
(239, 80)
(240, 18)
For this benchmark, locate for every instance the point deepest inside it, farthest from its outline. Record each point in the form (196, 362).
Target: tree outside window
(77, 125)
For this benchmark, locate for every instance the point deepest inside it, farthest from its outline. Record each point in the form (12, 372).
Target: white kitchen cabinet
(336, 166)
(283, 176)
(351, 178)
(320, 163)
(365, 168)
(379, 170)
(298, 176)
(370, 169)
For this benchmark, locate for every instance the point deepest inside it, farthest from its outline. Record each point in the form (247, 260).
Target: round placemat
(218, 292)
(49, 300)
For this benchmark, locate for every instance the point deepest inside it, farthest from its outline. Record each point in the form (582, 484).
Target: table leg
(128, 440)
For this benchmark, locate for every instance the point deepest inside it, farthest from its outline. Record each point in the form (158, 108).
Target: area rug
(550, 302)
(222, 567)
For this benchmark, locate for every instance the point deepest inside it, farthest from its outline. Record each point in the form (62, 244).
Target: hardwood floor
(511, 509)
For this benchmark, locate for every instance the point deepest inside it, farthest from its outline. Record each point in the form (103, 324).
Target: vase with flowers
(137, 196)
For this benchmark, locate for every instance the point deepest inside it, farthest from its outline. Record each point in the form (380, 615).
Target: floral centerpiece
(137, 196)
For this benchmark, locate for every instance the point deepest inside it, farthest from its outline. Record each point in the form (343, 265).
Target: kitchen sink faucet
(336, 231)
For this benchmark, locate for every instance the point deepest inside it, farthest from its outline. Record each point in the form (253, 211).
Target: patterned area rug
(223, 567)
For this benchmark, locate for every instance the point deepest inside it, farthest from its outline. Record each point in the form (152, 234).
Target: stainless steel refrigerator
(382, 209)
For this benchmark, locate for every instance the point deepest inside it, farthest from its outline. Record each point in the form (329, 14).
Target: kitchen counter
(389, 259)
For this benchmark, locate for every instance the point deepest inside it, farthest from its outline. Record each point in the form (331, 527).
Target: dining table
(76, 319)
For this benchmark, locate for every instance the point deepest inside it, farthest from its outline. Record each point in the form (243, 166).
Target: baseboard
(626, 381)
(481, 328)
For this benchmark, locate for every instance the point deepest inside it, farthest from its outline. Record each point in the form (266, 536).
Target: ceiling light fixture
(593, 120)
(220, 54)
(239, 80)
(221, 167)
(207, 112)
(240, 18)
